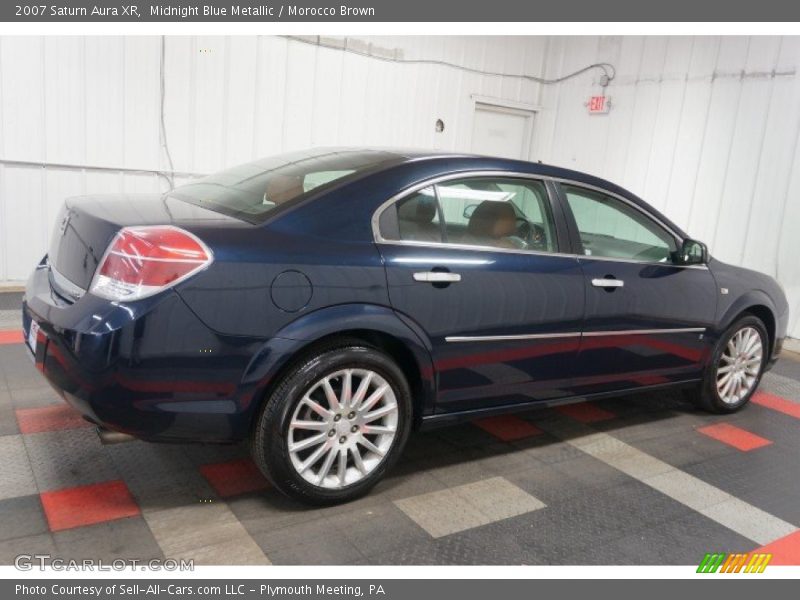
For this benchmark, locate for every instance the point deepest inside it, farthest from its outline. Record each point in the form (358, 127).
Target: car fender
(289, 341)
(741, 304)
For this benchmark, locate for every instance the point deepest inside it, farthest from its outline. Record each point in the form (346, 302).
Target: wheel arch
(758, 304)
(376, 326)
(767, 317)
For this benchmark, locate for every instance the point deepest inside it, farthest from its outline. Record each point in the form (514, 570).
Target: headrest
(487, 214)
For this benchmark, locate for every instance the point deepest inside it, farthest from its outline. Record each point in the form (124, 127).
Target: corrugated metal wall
(94, 103)
(706, 129)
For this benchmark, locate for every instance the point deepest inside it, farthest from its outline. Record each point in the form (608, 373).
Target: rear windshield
(252, 190)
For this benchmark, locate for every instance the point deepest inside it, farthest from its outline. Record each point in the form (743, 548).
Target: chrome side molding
(570, 334)
(645, 331)
(501, 338)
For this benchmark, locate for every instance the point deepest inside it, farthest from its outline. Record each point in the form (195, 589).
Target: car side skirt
(446, 419)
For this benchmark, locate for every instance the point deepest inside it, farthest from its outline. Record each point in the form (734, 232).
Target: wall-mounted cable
(609, 72)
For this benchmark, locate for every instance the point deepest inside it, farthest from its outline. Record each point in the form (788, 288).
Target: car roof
(407, 155)
(460, 161)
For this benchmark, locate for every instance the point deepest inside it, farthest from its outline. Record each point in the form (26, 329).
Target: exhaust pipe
(108, 437)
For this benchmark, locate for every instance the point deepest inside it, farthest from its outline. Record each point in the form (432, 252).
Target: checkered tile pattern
(585, 412)
(645, 479)
(734, 436)
(774, 402)
(49, 418)
(234, 477)
(11, 337)
(507, 428)
(87, 505)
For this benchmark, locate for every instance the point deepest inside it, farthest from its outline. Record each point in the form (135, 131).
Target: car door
(646, 317)
(499, 302)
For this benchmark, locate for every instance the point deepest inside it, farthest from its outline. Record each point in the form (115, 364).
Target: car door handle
(437, 277)
(608, 283)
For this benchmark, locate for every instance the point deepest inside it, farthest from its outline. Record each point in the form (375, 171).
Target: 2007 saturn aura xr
(323, 304)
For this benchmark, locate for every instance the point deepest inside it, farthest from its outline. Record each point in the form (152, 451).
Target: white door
(501, 131)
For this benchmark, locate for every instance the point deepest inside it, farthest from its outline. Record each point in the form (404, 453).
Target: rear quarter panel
(236, 295)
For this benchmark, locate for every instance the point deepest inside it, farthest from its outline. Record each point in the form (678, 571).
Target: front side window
(492, 212)
(610, 228)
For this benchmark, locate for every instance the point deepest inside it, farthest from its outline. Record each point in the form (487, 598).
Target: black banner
(393, 10)
(390, 589)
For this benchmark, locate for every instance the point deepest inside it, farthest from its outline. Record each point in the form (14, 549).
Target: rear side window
(493, 212)
(314, 180)
(418, 217)
(252, 190)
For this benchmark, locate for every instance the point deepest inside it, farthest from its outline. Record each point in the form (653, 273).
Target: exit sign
(598, 105)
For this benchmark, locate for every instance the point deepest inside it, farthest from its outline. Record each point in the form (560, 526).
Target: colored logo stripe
(710, 563)
(751, 562)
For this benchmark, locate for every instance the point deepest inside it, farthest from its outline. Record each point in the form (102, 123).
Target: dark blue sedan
(323, 304)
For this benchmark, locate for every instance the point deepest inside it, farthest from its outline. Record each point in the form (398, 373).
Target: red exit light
(598, 105)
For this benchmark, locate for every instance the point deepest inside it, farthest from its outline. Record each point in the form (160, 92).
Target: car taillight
(142, 261)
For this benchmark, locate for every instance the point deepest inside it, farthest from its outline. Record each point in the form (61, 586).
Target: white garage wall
(88, 108)
(704, 128)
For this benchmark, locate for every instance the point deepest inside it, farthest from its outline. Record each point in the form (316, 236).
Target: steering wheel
(534, 235)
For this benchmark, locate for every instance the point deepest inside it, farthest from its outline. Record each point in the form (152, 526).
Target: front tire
(334, 425)
(736, 366)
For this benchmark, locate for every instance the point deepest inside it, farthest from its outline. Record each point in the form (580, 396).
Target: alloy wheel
(343, 427)
(739, 365)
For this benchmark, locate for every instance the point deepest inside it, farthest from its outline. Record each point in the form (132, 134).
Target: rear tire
(335, 424)
(736, 367)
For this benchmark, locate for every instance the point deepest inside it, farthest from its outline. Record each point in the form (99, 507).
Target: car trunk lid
(86, 226)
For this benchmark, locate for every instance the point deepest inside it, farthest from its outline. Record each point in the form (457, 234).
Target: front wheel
(334, 425)
(736, 366)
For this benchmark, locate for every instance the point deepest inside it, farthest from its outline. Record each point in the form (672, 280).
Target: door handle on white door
(437, 277)
(608, 283)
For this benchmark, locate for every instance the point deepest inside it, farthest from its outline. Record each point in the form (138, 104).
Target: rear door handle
(608, 283)
(437, 277)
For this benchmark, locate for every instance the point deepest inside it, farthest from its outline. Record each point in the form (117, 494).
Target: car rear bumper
(150, 369)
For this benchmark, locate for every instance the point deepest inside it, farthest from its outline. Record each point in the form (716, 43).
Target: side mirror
(692, 252)
(468, 210)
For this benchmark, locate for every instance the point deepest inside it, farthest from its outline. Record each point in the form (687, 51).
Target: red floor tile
(651, 379)
(785, 550)
(88, 504)
(49, 418)
(13, 336)
(734, 436)
(234, 478)
(774, 402)
(585, 412)
(508, 428)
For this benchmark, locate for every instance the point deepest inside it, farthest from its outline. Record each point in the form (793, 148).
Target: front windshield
(252, 190)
